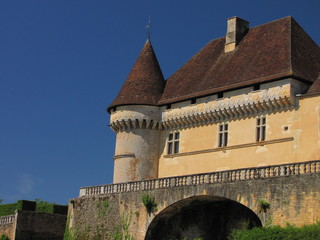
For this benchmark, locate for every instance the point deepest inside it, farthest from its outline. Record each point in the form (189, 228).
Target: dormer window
(220, 95)
(256, 87)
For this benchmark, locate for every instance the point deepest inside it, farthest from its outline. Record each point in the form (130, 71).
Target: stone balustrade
(207, 178)
(7, 219)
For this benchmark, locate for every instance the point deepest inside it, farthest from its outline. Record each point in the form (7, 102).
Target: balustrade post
(206, 178)
(172, 182)
(189, 180)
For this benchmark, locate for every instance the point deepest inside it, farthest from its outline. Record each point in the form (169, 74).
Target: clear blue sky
(63, 61)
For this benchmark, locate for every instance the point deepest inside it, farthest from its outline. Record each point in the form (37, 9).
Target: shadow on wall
(206, 217)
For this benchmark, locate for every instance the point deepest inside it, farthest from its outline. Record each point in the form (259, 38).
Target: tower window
(223, 135)
(261, 129)
(173, 143)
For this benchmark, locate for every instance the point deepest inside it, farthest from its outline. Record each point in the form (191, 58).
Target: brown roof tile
(315, 87)
(145, 83)
(268, 52)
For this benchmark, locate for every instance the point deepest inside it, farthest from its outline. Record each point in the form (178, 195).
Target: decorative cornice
(123, 124)
(229, 108)
(238, 106)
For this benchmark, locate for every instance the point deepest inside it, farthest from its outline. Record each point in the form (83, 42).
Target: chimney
(236, 30)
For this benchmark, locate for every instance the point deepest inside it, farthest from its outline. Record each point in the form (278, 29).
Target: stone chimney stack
(236, 30)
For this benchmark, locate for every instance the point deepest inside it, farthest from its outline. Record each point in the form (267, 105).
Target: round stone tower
(135, 117)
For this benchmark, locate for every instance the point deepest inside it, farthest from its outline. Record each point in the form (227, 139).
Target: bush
(41, 206)
(150, 203)
(10, 208)
(291, 232)
(4, 237)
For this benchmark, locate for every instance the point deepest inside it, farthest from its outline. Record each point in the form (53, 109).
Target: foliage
(290, 232)
(150, 203)
(122, 232)
(263, 206)
(43, 206)
(103, 208)
(67, 232)
(4, 237)
(10, 208)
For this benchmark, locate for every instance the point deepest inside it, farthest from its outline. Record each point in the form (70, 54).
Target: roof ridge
(274, 21)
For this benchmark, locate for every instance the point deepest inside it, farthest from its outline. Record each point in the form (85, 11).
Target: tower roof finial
(148, 26)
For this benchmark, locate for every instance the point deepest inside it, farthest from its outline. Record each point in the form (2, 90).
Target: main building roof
(268, 52)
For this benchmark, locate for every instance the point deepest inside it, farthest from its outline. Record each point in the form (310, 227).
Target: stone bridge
(206, 205)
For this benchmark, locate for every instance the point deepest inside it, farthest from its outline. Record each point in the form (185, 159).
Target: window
(173, 143)
(193, 101)
(168, 106)
(256, 87)
(220, 95)
(223, 135)
(261, 129)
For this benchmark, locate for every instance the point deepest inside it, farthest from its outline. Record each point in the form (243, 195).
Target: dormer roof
(268, 52)
(145, 83)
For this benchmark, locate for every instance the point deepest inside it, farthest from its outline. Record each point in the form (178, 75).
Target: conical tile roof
(145, 83)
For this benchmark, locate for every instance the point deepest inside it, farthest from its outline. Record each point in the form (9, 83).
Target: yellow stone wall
(292, 132)
(199, 151)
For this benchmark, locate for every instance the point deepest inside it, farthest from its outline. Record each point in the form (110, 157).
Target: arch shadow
(206, 217)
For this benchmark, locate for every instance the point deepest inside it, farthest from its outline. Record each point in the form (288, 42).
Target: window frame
(261, 128)
(173, 143)
(223, 134)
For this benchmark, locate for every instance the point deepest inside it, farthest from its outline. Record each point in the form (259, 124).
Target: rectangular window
(261, 129)
(223, 135)
(173, 143)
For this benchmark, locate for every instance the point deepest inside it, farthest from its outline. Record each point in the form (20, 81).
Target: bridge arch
(208, 217)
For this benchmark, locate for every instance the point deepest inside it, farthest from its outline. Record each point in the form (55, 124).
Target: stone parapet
(7, 219)
(207, 178)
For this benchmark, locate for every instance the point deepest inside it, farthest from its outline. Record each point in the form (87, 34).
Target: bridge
(200, 205)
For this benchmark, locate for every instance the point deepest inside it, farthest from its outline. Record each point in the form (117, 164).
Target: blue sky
(62, 62)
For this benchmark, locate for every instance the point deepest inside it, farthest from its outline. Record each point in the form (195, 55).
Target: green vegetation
(41, 206)
(122, 232)
(290, 232)
(103, 208)
(9, 209)
(4, 237)
(150, 203)
(263, 206)
(67, 232)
